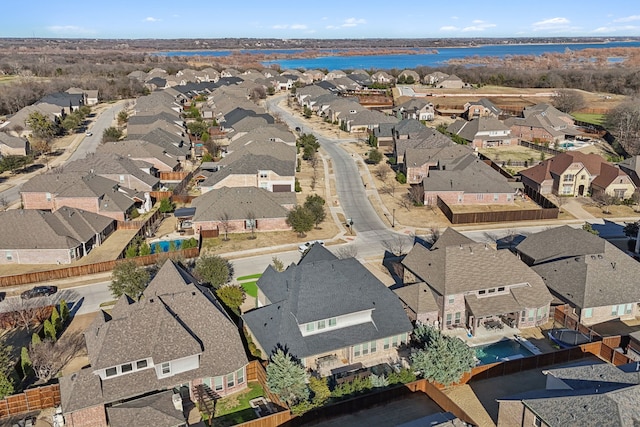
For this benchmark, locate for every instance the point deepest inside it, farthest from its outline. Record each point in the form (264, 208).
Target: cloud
(551, 24)
(353, 22)
(478, 26)
(611, 30)
(151, 19)
(289, 27)
(628, 18)
(454, 17)
(69, 30)
(449, 28)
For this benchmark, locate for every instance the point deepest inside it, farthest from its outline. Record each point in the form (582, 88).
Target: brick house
(242, 209)
(573, 173)
(29, 236)
(472, 282)
(595, 278)
(144, 353)
(542, 123)
(481, 108)
(89, 192)
(483, 132)
(419, 161)
(328, 312)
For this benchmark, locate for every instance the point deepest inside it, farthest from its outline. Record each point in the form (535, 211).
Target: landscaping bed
(235, 409)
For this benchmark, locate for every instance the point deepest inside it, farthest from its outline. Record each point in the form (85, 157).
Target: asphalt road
(88, 144)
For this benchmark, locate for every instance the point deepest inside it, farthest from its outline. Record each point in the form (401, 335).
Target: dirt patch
(77, 326)
(613, 211)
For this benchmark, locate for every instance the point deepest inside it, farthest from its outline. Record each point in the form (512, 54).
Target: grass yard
(235, 409)
(250, 288)
(248, 277)
(596, 119)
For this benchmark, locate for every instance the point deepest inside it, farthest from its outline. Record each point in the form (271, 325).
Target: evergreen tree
(35, 339)
(25, 362)
(50, 330)
(300, 219)
(287, 378)
(315, 205)
(64, 311)
(6, 385)
(214, 270)
(128, 278)
(232, 296)
(442, 358)
(55, 320)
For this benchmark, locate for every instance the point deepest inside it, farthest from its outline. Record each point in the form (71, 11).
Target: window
(452, 299)
(165, 368)
(127, 367)
(110, 372)
(628, 309)
(373, 346)
(532, 314)
(9, 256)
(48, 197)
(568, 178)
(583, 176)
(321, 324)
(448, 319)
(310, 327)
(492, 290)
(217, 383)
(332, 322)
(230, 380)
(240, 375)
(482, 292)
(386, 344)
(508, 197)
(587, 313)
(141, 364)
(394, 341)
(619, 194)
(357, 349)
(537, 422)
(480, 196)
(495, 197)
(458, 316)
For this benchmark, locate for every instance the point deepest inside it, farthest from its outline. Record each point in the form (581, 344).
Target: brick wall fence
(33, 399)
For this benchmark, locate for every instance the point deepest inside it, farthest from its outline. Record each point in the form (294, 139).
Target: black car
(39, 291)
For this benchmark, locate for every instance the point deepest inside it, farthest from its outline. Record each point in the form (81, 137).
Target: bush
(401, 178)
(298, 186)
(404, 376)
(375, 156)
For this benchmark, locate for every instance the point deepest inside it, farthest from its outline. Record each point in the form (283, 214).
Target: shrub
(401, 178)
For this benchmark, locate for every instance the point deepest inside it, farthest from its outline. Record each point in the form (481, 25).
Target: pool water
(567, 145)
(500, 351)
(164, 246)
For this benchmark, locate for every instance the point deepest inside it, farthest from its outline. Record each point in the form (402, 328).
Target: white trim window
(165, 369)
(587, 313)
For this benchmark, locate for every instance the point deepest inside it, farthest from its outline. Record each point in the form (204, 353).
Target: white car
(88, 133)
(303, 247)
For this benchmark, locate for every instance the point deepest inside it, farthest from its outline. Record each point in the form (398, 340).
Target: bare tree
(434, 235)
(382, 171)
(560, 202)
(251, 223)
(225, 223)
(405, 201)
(349, 251)
(604, 201)
(27, 313)
(568, 100)
(390, 187)
(397, 245)
(49, 357)
(416, 195)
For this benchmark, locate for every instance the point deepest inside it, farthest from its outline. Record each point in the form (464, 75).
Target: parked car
(303, 247)
(88, 133)
(39, 291)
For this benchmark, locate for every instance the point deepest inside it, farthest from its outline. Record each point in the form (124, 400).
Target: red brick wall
(89, 204)
(94, 416)
(238, 226)
(451, 198)
(528, 134)
(37, 201)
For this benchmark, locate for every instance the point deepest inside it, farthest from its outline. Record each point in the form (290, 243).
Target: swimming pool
(501, 351)
(165, 245)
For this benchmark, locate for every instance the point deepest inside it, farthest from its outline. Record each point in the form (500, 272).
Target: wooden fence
(496, 216)
(88, 269)
(540, 147)
(33, 399)
(208, 234)
(173, 176)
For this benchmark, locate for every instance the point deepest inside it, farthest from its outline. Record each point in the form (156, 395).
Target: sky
(318, 19)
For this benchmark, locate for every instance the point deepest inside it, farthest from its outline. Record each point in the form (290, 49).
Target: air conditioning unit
(177, 401)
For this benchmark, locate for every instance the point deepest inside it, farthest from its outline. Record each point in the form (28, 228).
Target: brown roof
(418, 297)
(558, 164)
(608, 174)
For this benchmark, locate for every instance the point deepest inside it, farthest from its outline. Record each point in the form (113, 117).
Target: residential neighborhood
(265, 247)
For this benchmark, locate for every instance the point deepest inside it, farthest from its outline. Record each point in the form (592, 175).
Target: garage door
(281, 188)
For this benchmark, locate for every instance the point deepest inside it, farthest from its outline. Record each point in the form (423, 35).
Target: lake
(411, 61)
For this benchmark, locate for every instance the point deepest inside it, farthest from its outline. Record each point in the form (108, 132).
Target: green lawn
(596, 119)
(250, 288)
(235, 409)
(250, 276)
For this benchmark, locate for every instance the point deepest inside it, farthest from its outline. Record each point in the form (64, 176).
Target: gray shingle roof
(176, 317)
(469, 129)
(594, 280)
(156, 410)
(65, 228)
(558, 243)
(250, 164)
(320, 290)
(12, 141)
(237, 202)
(418, 297)
(111, 164)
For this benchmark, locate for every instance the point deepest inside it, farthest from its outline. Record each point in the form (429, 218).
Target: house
(314, 74)
(408, 77)
(309, 92)
(242, 209)
(327, 312)
(29, 236)
(483, 132)
(366, 120)
(409, 133)
(572, 174)
(90, 192)
(472, 282)
(594, 394)
(13, 145)
(419, 161)
(163, 159)
(382, 77)
(591, 275)
(614, 182)
(266, 171)
(137, 175)
(481, 108)
(434, 78)
(417, 109)
(335, 74)
(450, 82)
(175, 338)
(90, 96)
(631, 166)
(66, 103)
(466, 180)
(542, 123)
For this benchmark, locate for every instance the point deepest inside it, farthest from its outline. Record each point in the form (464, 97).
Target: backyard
(235, 409)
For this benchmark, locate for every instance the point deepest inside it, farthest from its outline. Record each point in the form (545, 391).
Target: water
(492, 353)
(164, 246)
(412, 61)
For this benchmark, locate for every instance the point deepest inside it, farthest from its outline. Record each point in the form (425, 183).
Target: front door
(581, 190)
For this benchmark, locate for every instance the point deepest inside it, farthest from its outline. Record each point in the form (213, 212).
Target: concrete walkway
(574, 207)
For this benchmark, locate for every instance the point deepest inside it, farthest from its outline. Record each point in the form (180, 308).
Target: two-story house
(175, 337)
(481, 108)
(417, 109)
(592, 276)
(328, 312)
(483, 132)
(471, 282)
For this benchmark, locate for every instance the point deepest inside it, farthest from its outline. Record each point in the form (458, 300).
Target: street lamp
(393, 219)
